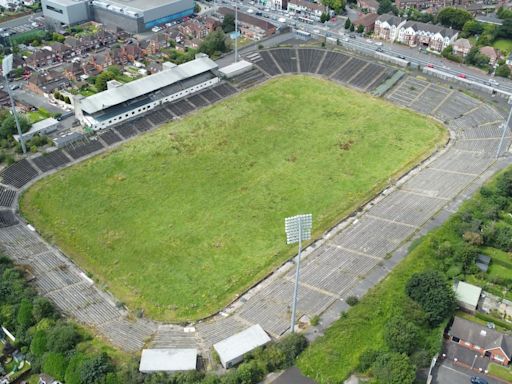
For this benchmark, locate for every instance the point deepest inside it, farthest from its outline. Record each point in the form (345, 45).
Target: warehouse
(130, 15)
(129, 100)
(168, 360)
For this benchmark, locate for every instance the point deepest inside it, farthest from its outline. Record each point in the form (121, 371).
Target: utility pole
(7, 68)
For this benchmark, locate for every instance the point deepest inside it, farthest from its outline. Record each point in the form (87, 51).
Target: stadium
(348, 257)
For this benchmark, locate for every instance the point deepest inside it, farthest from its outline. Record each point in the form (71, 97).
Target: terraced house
(430, 36)
(387, 26)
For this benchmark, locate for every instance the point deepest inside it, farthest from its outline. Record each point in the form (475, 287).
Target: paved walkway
(348, 260)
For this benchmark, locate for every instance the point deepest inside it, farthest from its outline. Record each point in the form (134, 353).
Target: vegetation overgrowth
(178, 222)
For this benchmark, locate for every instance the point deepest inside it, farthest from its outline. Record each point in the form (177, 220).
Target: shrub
(315, 320)
(393, 368)
(352, 300)
(250, 372)
(401, 335)
(62, 338)
(55, 365)
(367, 359)
(38, 344)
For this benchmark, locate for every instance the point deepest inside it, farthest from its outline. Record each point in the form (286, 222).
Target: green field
(181, 220)
(504, 45)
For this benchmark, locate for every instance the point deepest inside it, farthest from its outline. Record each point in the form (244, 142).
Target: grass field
(181, 220)
(504, 45)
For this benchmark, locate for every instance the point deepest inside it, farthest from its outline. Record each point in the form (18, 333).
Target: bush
(38, 344)
(250, 372)
(393, 368)
(435, 296)
(352, 300)
(367, 359)
(55, 365)
(401, 335)
(315, 320)
(62, 338)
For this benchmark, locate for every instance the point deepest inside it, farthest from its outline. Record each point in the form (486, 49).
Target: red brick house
(370, 5)
(487, 342)
(367, 21)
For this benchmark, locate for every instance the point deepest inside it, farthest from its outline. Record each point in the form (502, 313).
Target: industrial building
(130, 15)
(130, 100)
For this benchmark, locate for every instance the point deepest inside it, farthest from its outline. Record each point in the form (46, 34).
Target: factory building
(131, 15)
(127, 101)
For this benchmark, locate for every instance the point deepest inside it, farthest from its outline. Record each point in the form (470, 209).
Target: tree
(503, 70)
(347, 23)
(38, 344)
(474, 57)
(92, 370)
(55, 365)
(337, 6)
(58, 37)
(435, 296)
(42, 308)
(385, 6)
(214, 43)
(352, 28)
(324, 17)
(228, 24)
(471, 28)
(367, 359)
(197, 8)
(505, 30)
(8, 127)
(249, 372)
(453, 17)
(62, 337)
(360, 28)
(102, 79)
(394, 368)
(24, 317)
(401, 335)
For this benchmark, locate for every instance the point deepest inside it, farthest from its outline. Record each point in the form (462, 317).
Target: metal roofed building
(129, 100)
(232, 350)
(40, 128)
(235, 69)
(168, 360)
(130, 15)
(467, 295)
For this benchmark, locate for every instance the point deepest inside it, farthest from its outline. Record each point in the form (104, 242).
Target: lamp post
(297, 228)
(236, 31)
(7, 68)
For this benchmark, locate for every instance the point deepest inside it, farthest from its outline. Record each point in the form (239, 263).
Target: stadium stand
(332, 61)
(286, 58)
(7, 196)
(18, 174)
(83, 148)
(7, 219)
(52, 160)
(310, 59)
(110, 137)
(126, 130)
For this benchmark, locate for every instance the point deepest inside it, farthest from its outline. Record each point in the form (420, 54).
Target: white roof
(235, 67)
(168, 360)
(136, 88)
(468, 293)
(239, 344)
(43, 124)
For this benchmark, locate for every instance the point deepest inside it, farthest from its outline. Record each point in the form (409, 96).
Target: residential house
(307, 8)
(486, 342)
(40, 58)
(491, 53)
(194, 29)
(278, 4)
(74, 44)
(177, 36)
(73, 70)
(46, 83)
(252, 27)
(61, 51)
(210, 23)
(157, 42)
(370, 5)
(461, 47)
(433, 37)
(131, 52)
(431, 5)
(101, 60)
(367, 21)
(387, 26)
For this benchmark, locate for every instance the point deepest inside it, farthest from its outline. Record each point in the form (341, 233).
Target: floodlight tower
(297, 228)
(7, 68)
(236, 31)
(505, 129)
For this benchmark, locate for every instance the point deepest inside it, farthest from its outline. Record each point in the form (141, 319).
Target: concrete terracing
(348, 260)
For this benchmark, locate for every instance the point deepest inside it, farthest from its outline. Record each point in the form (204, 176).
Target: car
(259, 13)
(316, 31)
(401, 57)
(379, 49)
(345, 39)
(493, 82)
(478, 380)
(369, 41)
(379, 43)
(430, 65)
(14, 87)
(352, 36)
(155, 29)
(250, 10)
(462, 75)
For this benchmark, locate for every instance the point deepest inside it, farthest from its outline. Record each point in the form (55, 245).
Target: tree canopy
(214, 44)
(228, 24)
(432, 292)
(401, 335)
(394, 368)
(453, 17)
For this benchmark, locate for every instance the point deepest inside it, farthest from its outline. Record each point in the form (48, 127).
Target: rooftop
(467, 293)
(239, 344)
(168, 360)
(145, 85)
(480, 335)
(136, 5)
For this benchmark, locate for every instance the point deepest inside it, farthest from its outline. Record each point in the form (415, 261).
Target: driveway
(447, 373)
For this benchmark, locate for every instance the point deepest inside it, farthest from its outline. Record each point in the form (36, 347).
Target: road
(23, 23)
(414, 55)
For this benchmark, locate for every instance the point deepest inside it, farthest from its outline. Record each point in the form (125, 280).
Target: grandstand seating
(110, 137)
(310, 59)
(18, 174)
(286, 59)
(51, 160)
(84, 148)
(209, 95)
(126, 130)
(7, 218)
(198, 100)
(224, 90)
(264, 61)
(7, 196)
(332, 61)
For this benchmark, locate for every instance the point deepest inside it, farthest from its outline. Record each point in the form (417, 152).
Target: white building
(129, 100)
(168, 360)
(231, 351)
(306, 8)
(467, 295)
(430, 36)
(387, 26)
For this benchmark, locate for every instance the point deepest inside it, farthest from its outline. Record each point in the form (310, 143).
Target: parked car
(462, 75)
(478, 380)
(494, 82)
(379, 49)
(379, 43)
(430, 65)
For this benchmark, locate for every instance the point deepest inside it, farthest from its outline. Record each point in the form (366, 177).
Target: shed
(67, 138)
(236, 69)
(467, 295)
(40, 128)
(482, 262)
(232, 350)
(168, 360)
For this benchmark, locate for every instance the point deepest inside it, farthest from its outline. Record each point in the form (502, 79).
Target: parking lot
(447, 373)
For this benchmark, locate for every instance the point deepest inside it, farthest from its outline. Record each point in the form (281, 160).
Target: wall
(66, 12)
(174, 9)
(109, 18)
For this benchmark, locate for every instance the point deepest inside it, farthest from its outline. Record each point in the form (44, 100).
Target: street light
(297, 228)
(7, 68)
